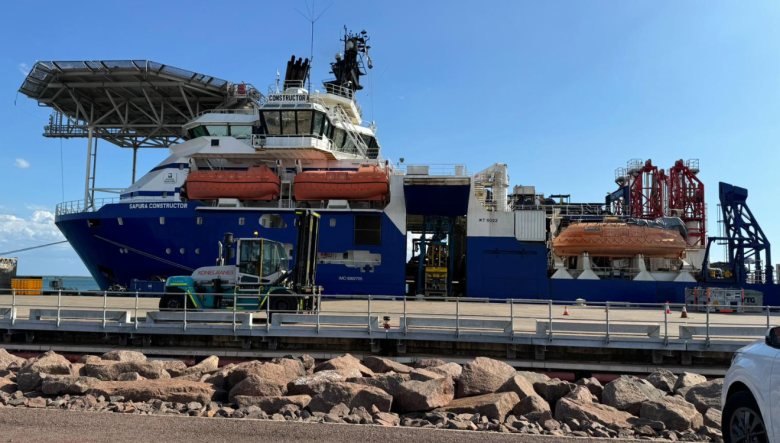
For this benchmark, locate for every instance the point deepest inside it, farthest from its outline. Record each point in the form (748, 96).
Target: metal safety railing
(512, 321)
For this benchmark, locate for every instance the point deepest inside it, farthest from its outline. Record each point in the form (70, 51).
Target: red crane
(686, 199)
(646, 194)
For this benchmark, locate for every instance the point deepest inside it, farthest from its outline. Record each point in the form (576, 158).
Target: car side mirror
(773, 337)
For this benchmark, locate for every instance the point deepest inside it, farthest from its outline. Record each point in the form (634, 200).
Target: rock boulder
(415, 396)
(48, 364)
(662, 379)
(352, 395)
(706, 395)
(312, 384)
(164, 390)
(688, 379)
(382, 365)
(494, 406)
(531, 407)
(593, 385)
(592, 412)
(272, 405)
(627, 393)
(122, 355)
(519, 385)
(256, 386)
(676, 413)
(483, 376)
(10, 361)
(345, 364)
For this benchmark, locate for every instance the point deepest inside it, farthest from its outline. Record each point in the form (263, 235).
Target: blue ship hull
(126, 241)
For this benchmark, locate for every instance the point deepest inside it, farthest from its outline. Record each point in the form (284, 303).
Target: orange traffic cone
(668, 310)
(684, 312)
(565, 310)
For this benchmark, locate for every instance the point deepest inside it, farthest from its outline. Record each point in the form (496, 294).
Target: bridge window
(198, 131)
(318, 118)
(304, 122)
(338, 138)
(273, 124)
(288, 122)
(368, 230)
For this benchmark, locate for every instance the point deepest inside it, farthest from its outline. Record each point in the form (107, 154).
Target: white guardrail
(513, 321)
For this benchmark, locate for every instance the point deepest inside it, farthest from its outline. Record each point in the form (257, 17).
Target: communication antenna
(312, 19)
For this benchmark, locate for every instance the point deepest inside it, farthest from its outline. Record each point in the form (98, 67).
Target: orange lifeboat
(368, 183)
(256, 183)
(618, 240)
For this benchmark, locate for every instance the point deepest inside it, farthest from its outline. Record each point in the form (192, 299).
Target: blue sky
(562, 91)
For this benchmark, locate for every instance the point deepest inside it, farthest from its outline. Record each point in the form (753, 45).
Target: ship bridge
(129, 103)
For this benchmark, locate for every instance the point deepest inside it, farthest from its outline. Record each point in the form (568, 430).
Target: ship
(243, 161)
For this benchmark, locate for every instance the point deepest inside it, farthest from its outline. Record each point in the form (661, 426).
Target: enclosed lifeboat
(256, 183)
(368, 183)
(618, 240)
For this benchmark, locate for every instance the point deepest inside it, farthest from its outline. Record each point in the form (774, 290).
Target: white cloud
(24, 68)
(17, 232)
(32, 207)
(21, 163)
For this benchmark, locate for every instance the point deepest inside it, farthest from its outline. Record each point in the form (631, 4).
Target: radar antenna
(311, 19)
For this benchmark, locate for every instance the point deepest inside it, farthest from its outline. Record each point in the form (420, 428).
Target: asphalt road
(46, 425)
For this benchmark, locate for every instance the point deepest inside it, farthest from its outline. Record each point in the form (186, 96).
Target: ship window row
(236, 131)
(270, 221)
(311, 123)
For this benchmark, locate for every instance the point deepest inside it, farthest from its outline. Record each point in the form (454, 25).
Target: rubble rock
(531, 407)
(390, 382)
(662, 379)
(352, 395)
(593, 385)
(713, 417)
(425, 375)
(345, 364)
(494, 406)
(427, 363)
(519, 385)
(283, 372)
(676, 413)
(627, 393)
(272, 405)
(256, 386)
(553, 390)
(50, 363)
(581, 394)
(713, 434)
(416, 396)
(8, 386)
(219, 378)
(592, 412)
(122, 355)
(130, 376)
(206, 366)
(110, 370)
(533, 377)
(382, 365)
(387, 419)
(483, 376)
(706, 395)
(175, 368)
(170, 390)
(312, 384)
(688, 379)
(452, 370)
(10, 361)
(60, 385)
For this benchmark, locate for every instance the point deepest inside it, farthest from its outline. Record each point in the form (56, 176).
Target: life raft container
(618, 240)
(256, 183)
(368, 183)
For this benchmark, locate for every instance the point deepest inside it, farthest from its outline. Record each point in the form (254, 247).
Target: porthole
(241, 221)
(199, 221)
(333, 223)
(120, 221)
(167, 250)
(181, 251)
(197, 250)
(162, 220)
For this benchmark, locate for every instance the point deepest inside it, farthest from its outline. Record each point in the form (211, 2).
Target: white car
(751, 393)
